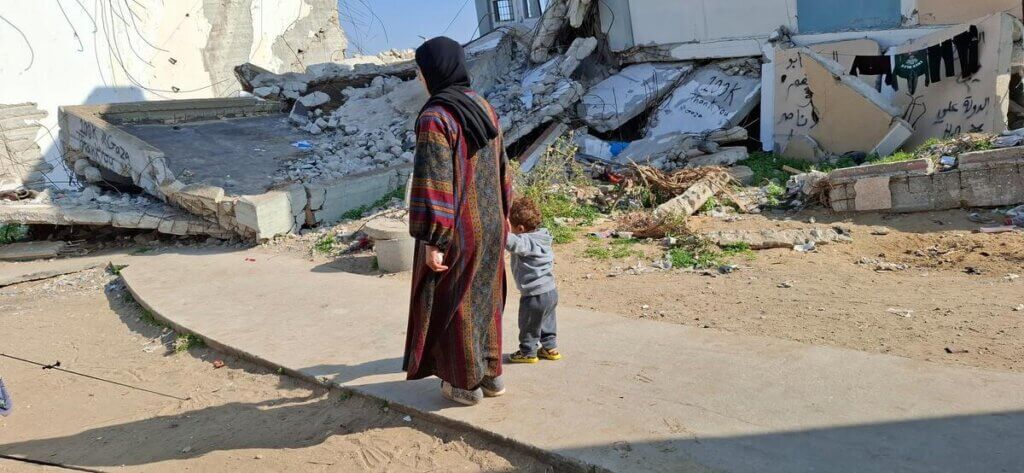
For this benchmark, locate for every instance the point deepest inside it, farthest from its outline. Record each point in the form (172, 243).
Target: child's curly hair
(526, 213)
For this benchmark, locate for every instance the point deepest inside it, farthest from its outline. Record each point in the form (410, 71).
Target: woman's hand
(435, 259)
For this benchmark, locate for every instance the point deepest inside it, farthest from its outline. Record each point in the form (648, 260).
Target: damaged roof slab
(623, 96)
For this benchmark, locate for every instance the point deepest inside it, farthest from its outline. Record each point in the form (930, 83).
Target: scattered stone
(952, 350)
(1011, 277)
(772, 238)
(785, 284)
(1019, 308)
(880, 231)
(905, 313)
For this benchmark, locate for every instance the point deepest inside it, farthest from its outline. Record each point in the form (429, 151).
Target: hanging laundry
(911, 66)
(938, 55)
(874, 66)
(967, 46)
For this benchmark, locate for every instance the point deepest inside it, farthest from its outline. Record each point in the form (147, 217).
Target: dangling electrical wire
(74, 31)
(32, 52)
(56, 367)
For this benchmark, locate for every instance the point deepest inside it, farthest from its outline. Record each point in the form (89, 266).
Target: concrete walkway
(629, 396)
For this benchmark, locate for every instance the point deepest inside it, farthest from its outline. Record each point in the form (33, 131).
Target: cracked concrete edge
(558, 461)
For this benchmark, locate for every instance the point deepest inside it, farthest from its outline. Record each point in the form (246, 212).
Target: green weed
(358, 212)
(551, 184)
(617, 249)
(774, 193)
(701, 254)
(325, 244)
(186, 342)
(12, 232)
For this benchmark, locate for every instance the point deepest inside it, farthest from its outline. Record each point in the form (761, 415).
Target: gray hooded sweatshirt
(532, 261)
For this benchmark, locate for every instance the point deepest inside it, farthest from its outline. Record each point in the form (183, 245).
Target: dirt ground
(959, 286)
(237, 418)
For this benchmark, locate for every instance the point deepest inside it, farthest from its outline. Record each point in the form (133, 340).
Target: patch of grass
(562, 234)
(551, 184)
(767, 167)
(708, 206)
(617, 249)
(733, 250)
(115, 269)
(897, 157)
(147, 317)
(701, 254)
(774, 192)
(186, 342)
(12, 232)
(357, 213)
(325, 244)
(139, 251)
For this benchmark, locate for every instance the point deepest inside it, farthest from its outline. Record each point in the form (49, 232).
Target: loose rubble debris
(767, 239)
(641, 120)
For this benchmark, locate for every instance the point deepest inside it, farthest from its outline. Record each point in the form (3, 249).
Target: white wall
(115, 51)
(680, 21)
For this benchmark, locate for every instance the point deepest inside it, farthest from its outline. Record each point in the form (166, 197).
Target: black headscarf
(443, 64)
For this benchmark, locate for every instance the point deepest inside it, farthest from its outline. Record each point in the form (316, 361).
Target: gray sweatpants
(537, 325)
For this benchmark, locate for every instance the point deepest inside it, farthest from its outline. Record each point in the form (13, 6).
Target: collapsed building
(635, 83)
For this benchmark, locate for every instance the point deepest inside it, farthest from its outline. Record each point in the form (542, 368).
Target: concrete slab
(17, 273)
(691, 400)
(623, 96)
(241, 155)
(31, 250)
(708, 100)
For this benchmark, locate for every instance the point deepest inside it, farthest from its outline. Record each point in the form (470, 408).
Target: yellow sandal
(551, 354)
(520, 357)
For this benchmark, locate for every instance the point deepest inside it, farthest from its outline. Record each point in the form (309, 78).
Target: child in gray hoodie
(532, 262)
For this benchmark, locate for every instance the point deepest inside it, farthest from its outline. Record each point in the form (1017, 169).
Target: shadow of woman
(281, 423)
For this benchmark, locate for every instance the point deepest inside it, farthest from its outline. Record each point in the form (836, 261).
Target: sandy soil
(833, 300)
(237, 418)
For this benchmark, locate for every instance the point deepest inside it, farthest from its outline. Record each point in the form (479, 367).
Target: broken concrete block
(872, 193)
(578, 12)
(916, 166)
(31, 250)
(900, 132)
(271, 91)
(991, 158)
(725, 157)
(742, 174)
(387, 229)
(770, 238)
(536, 151)
(706, 101)
(690, 202)
(853, 116)
(580, 49)
(732, 135)
(139, 219)
(272, 213)
(550, 24)
(87, 216)
(623, 96)
(804, 148)
(314, 99)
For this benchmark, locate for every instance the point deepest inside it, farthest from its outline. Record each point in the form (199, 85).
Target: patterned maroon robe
(460, 204)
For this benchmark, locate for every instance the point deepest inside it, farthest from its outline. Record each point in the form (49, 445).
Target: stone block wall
(982, 179)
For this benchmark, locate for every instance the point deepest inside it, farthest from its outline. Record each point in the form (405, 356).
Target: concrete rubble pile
(342, 133)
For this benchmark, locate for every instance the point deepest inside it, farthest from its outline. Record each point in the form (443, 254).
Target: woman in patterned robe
(460, 199)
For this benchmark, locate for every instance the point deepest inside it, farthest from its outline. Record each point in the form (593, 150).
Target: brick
(946, 192)
(872, 193)
(906, 199)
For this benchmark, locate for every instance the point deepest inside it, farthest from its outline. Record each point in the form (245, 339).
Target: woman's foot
(520, 357)
(461, 396)
(549, 354)
(492, 387)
